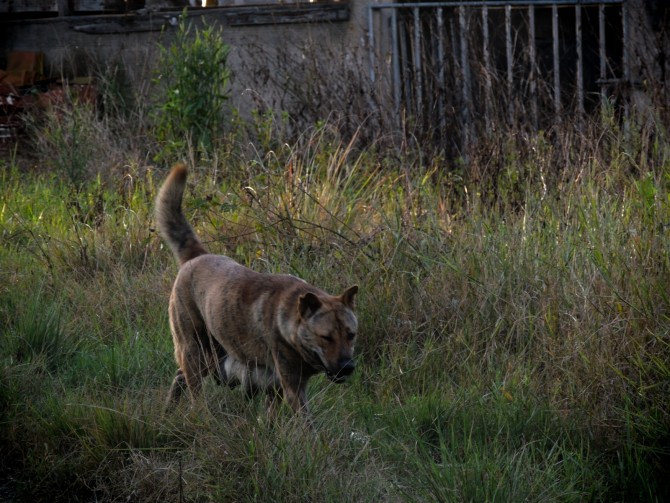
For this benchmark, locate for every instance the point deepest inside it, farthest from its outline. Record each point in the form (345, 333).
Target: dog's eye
(351, 335)
(327, 338)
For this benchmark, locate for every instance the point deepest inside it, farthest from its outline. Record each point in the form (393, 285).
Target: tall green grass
(514, 340)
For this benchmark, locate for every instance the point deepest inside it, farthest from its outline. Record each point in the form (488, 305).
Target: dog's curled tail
(170, 218)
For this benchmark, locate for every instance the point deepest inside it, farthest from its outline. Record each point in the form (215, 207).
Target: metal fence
(454, 70)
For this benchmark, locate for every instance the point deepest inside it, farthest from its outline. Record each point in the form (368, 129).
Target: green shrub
(192, 78)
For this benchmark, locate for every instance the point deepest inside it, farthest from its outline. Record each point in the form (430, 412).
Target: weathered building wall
(309, 59)
(259, 37)
(650, 52)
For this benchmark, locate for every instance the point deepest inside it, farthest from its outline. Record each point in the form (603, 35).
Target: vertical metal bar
(557, 64)
(418, 80)
(454, 42)
(580, 61)
(533, 65)
(602, 52)
(440, 71)
(405, 67)
(371, 43)
(625, 56)
(455, 64)
(395, 63)
(625, 62)
(488, 91)
(465, 69)
(376, 92)
(63, 8)
(510, 62)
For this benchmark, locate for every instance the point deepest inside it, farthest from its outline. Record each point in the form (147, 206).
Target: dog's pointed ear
(348, 296)
(308, 305)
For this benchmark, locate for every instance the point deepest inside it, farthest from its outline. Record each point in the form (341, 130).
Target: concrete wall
(311, 69)
(74, 46)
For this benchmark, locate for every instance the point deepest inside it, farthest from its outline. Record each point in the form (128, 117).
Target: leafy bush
(192, 78)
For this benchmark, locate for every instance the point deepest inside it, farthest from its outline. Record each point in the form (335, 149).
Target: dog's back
(171, 221)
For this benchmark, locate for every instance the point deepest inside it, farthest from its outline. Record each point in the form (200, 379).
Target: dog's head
(327, 333)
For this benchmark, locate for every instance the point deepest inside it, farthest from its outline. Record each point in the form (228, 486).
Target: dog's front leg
(296, 396)
(293, 390)
(273, 401)
(292, 382)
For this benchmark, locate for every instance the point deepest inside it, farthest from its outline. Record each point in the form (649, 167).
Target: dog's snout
(347, 366)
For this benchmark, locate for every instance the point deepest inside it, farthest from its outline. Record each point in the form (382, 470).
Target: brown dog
(264, 331)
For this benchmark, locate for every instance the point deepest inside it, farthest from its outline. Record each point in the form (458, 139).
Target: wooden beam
(281, 13)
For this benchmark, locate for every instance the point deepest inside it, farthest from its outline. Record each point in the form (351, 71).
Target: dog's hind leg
(195, 367)
(192, 353)
(176, 390)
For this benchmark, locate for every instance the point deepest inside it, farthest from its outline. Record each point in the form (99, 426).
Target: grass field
(514, 311)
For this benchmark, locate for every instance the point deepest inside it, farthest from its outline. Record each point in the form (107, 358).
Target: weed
(193, 78)
(67, 136)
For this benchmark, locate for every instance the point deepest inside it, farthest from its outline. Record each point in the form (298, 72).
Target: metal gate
(455, 70)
